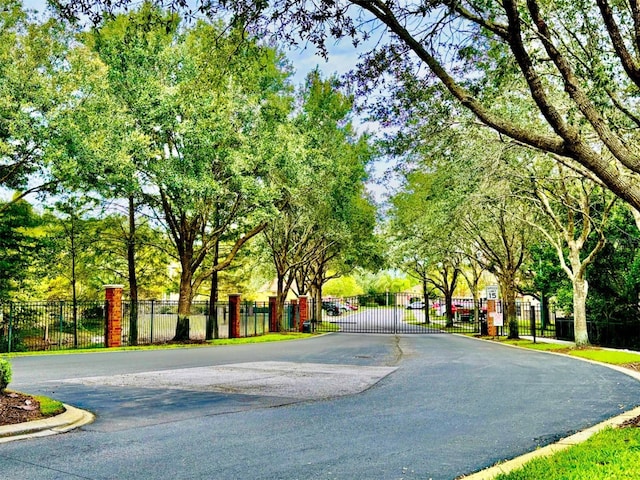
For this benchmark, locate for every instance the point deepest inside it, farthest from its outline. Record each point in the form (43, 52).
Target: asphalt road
(449, 406)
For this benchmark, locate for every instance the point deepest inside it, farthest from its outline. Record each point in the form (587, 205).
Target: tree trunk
(73, 285)
(316, 293)
(184, 307)
(544, 310)
(509, 309)
(425, 295)
(448, 301)
(280, 303)
(212, 330)
(580, 288)
(133, 280)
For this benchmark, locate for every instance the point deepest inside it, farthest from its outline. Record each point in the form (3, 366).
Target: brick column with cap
(234, 315)
(492, 330)
(304, 311)
(273, 314)
(113, 329)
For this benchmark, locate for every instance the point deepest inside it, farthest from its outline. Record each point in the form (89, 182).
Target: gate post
(113, 328)
(234, 315)
(304, 311)
(273, 314)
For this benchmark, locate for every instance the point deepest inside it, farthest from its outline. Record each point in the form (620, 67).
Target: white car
(419, 305)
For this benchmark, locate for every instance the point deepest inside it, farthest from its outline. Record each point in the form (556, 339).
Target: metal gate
(398, 313)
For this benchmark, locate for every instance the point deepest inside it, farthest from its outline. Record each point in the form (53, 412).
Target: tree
(325, 220)
(205, 131)
(574, 208)
(575, 62)
(39, 86)
(18, 245)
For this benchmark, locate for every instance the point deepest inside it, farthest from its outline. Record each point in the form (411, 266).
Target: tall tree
(574, 208)
(325, 219)
(204, 105)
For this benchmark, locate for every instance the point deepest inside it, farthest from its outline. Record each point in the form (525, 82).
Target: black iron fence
(27, 326)
(37, 326)
(605, 334)
(33, 326)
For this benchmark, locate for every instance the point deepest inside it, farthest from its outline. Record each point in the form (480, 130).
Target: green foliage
(346, 286)
(614, 283)
(19, 244)
(5, 374)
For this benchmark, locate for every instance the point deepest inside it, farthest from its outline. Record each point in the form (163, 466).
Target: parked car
(351, 306)
(331, 308)
(419, 305)
(463, 311)
(343, 306)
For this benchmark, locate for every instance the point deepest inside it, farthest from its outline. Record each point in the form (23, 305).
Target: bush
(5, 374)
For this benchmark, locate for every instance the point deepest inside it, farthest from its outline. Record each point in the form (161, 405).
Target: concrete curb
(71, 418)
(580, 437)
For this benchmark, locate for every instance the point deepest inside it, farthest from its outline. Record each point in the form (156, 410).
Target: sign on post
(492, 292)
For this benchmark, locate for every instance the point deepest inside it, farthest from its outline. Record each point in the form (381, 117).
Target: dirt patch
(632, 366)
(18, 408)
(632, 422)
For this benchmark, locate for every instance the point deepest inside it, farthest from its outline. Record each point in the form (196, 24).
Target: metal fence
(33, 326)
(28, 326)
(38, 326)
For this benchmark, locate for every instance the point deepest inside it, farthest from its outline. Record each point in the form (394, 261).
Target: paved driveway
(440, 406)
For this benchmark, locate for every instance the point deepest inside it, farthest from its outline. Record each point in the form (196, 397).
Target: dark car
(331, 308)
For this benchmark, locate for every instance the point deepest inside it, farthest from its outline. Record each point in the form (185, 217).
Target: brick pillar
(492, 330)
(304, 311)
(113, 329)
(273, 314)
(234, 315)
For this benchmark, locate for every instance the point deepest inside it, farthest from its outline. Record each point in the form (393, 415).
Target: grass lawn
(48, 406)
(270, 337)
(611, 454)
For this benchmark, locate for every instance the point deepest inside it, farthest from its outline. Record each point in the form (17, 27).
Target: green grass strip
(270, 337)
(610, 454)
(49, 406)
(614, 357)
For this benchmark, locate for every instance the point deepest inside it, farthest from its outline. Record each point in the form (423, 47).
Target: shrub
(5, 374)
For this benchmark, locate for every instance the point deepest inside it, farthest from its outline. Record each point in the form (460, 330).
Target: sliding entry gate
(396, 314)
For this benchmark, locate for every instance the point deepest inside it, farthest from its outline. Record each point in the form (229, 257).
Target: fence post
(273, 314)
(304, 311)
(234, 315)
(113, 330)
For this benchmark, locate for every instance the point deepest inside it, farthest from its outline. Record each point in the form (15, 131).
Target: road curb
(575, 439)
(71, 418)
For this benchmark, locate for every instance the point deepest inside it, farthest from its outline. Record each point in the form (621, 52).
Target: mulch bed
(18, 408)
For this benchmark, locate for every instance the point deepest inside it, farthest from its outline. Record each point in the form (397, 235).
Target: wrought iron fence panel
(33, 326)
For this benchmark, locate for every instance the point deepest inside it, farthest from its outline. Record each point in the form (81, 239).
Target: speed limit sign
(492, 292)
